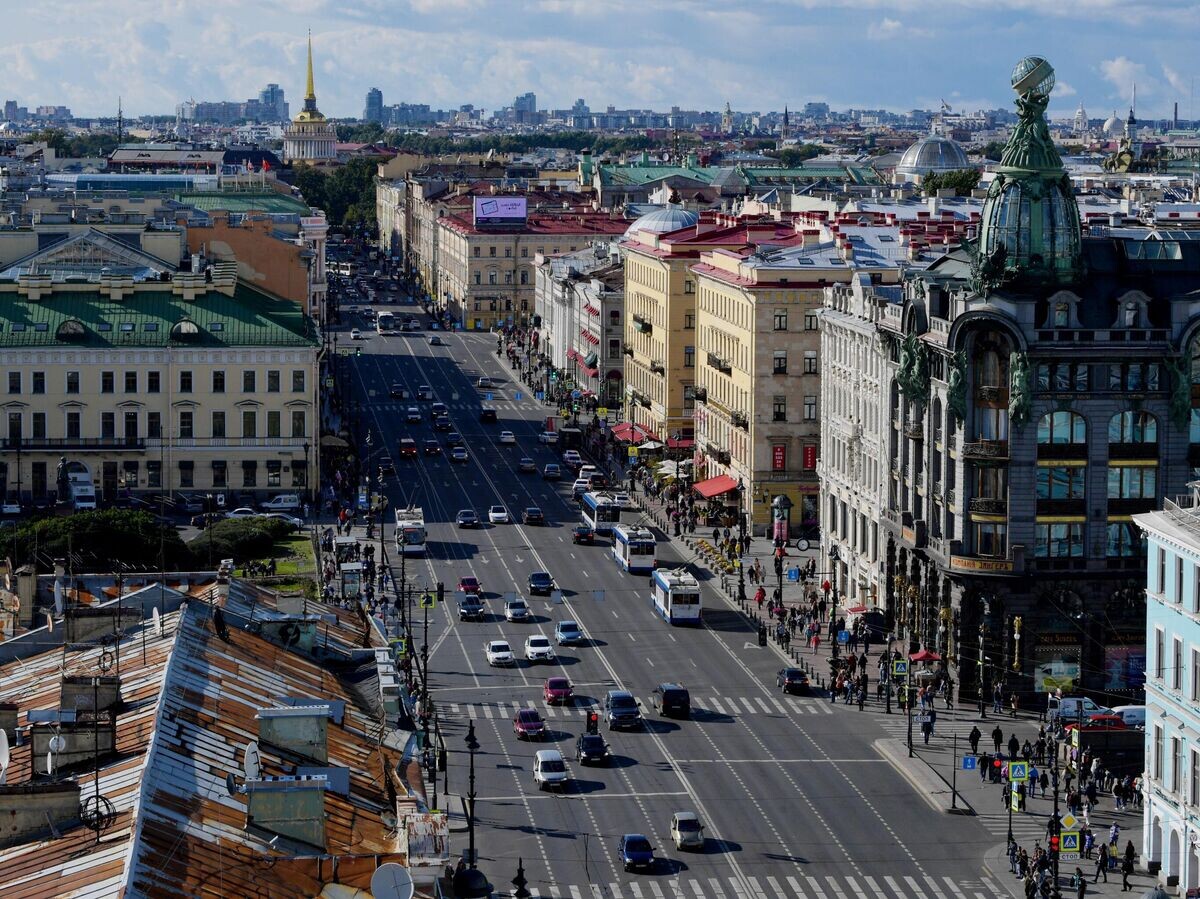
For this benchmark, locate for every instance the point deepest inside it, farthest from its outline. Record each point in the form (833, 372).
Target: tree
(101, 540)
(793, 157)
(963, 181)
(367, 133)
(993, 150)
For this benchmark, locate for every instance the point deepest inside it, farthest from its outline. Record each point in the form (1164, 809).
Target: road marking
(716, 885)
(777, 761)
(636, 889)
(816, 885)
(954, 888)
(749, 707)
(763, 703)
(649, 661)
(575, 894)
(754, 885)
(870, 881)
(912, 882)
(795, 885)
(835, 886)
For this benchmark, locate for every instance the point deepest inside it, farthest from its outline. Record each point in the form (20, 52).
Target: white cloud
(887, 29)
(1062, 89)
(1178, 83)
(1123, 73)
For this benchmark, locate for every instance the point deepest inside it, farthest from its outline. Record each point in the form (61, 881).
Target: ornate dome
(669, 218)
(932, 153)
(1113, 126)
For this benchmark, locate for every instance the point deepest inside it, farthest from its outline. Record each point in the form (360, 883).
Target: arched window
(185, 330)
(1133, 427)
(988, 369)
(71, 330)
(1062, 427)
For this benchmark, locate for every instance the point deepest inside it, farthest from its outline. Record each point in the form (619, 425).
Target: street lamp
(741, 493)
(472, 747)
(887, 672)
(307, 475)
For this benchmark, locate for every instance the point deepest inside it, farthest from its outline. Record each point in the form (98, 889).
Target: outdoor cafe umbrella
(924, 656)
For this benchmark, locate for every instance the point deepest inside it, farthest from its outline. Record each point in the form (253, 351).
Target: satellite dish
(231, 784)
(4, 757)
(252, 761)
(49, 623)
(57, 743)
(157, 619)
(58, 597)
(391, 881)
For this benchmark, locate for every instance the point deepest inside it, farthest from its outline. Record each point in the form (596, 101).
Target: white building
(310, 137)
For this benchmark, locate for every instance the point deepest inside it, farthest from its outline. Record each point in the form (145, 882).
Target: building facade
(310, 137)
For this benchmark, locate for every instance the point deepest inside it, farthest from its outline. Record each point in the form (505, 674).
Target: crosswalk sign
(899, 668)
(970, 763)
(428, 601)
(1070, 841)
(1018, 772)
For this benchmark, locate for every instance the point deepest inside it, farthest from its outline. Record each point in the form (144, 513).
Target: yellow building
(310, 137)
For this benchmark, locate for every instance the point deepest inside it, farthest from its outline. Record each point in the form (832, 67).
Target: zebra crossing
(525, 404)
(802, 886)
(724, 706)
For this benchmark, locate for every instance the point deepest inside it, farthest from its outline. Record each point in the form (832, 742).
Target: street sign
(1014, 800)
(970, 763)
(1018, 772)
(428, 601)
(1068, 821)
(1070, 841)
(517, 396)
(576, 394)
(329, 383)
(540, 395)
(488, 397)
(899, 668)
(793, 574)
(843, 636)
(602, 411)
(633, 453)
(923, 719)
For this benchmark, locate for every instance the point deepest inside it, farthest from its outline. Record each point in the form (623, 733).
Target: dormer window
(71, 329)
(1062, 315)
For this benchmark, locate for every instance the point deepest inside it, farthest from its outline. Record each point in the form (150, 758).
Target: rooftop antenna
(251, 761)
(392, 881)
(120, 120)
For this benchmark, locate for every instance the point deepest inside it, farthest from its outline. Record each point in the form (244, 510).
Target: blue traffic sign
(793, 574)
(517, 397)
(970, 763)
(540, 395)
(576, 394)
(843, 636)
(488, 397)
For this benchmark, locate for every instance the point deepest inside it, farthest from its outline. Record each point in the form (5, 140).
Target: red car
(557, 689)
(528, 724)
(408, 448)
(469, 585)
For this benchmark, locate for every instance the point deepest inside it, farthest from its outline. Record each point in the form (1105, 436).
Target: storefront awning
(722, 483)
(680, 442)
(631, 433)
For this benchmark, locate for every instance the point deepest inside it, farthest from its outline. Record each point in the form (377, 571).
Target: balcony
(914, 533)
(658, 367)
(221, 442)
(1133, 451)
(626, 349)
(915, 430)
(700, 393)
(641, 325)
(721, 365)
(991, 395)
(644, 402)
(1061, 507)
(1077, 451)
(987, 505)
(990, 450)
(79, 444)
(740, 421)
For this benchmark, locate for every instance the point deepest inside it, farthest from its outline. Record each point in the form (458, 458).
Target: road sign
(576, 394)
(923, 719)
(843, 636)
(793, 574)
(1018, 772)
(540, 395)
(1068, 821)
(428, 601)
(329, 383)
(899, 668)
(1070, 841)
(517, 396)
(633, 453)
(1014, 800)
(602, 411)
(970, 763)
(488, 397)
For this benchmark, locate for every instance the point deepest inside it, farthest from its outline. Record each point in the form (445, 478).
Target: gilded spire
(310, 93)
(310, 113)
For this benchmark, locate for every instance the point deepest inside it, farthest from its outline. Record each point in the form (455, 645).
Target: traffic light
(358, 351)
(1054, 843)
(593, 722)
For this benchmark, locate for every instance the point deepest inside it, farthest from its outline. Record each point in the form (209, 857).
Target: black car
(621, 710)
(397, 392)
(442, 423)
(533, 515)
(454, 439)
(581, 533)
(672, 700)
(590, 749)
(541, 582)
(792, 680)
(386, 466)
(433, 448)
(471, 608)
(487, 415)
(467, 519)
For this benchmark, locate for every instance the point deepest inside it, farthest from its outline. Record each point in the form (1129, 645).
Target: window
(1195, 675)
(106, 382)
(185, 424)
(218, 423)
(273, 423)
(1058, 541)
(991, 482)
(1132, 482)
(131, 426)
(185, 382)
(108, 425)
(476, 253)
(39, 382)
(524, 277)
(1062, 315)
(689, 320)
(249, 473)
(810, 321)
(273, 380)
(779, 362)
(689, 286)
(491, 251)
(129, 473)
(73, 425)
(779, 408)
(300, 471)
(614, 348)
(298, 423)
(1162, 571)
(153, 473)
(1062, 427)
(1193, 777)
(274, 467)
(1176, 764)
(249, 423)
(14, 382)
(72, 382)
(39, 426)
(298, 380)
(131, 382)
(153, 382)
(492, 277)
(1178, 579)
(1176, 664)
(1061, 483)
(779, 316)
(15, 431)
(1133, 427)
(508, 252)
(1160, 661)
(689, 357)
(220, 474)
(524, 255)
(810, 408)
(508, 277)
(1125, 541)
(810, 362)
(249, 380)
(215, 327)
(1157, 761)
(187, 473)
(154, 424)
(218, 382)
(991, 539)
(477, 278)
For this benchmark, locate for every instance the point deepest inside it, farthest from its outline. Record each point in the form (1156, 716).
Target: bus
(600, 511)
(385, 323)
(410, 531)
(349, 269)
(633, 548)
(676, 596)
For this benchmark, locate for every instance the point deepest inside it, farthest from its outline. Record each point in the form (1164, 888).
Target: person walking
(973, 738)
(1080, 883)
(997, 738)
(1101, 863)
(1126, 870)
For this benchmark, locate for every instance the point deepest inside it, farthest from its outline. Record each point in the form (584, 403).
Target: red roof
(722, 483)
(631, 433)
(680, 442)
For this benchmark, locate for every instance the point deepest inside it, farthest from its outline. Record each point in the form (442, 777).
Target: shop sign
(779, 457)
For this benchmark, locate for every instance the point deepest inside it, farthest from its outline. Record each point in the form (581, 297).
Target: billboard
(500, 210)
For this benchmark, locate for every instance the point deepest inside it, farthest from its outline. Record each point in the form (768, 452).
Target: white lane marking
(874, 886)
(912, 882)
(763, 703)
(835, 886)
(795, 885)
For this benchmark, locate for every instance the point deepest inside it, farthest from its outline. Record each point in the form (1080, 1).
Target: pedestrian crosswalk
(702, 706)
(501, 404)
(782, 886)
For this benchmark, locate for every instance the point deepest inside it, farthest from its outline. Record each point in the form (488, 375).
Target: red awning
(631, 433)
(680, 442)
(591, 310)
(572, 355)
(722, 483)
(924, 656)
(856, 610)
(590, 372)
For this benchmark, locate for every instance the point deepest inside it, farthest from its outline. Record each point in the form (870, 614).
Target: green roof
(148, 317)
(240, 201)
(644, 174)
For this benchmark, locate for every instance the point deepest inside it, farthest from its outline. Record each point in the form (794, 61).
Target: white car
(548, 437)
(498, 515)
(580, 487)
(499, 653)
(458, 454)
(508, 437)
(296, 523)
(623, 500)
(538, 649)
(244, 512)
(516, 610)
(572, 457)
(355, 334)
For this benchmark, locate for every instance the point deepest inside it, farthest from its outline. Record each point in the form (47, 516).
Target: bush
(100, 540)
(240, 539)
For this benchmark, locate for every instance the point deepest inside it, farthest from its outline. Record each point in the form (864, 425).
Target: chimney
(302, 730)
(8, 721)
(933, 204)
(81, 741)
(90, 694)
(26, 591)
(292, 807)
(32, 810)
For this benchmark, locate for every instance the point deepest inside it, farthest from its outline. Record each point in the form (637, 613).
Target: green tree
(100, 539)
(993, 150)
(963, 181)
(366, 133)
(793, 157)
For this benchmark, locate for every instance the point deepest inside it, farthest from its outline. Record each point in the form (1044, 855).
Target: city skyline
(695, 55)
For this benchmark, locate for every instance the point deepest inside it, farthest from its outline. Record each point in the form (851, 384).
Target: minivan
(1132, 715)
(284, 502)
(671, 700)
(549, 769)
(1070, 707)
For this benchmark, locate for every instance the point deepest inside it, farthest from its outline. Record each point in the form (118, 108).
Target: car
(459, 454)
(590, 749)
(572, 457)
(557, 689)
(567, 633)
(580, 487)
(551, 472)
(487, 415)
(597, 481)
(1132, 715)
(437, 410)
(528, 724)
(541, 583)
(516, 610)
(424, 392)
(432, 448)
(498, 515)
(538, 649)
(484, 383)
(290, 520)
(408, 448)
(671, 700)
(526, 465)
(533, 515)
(792, 680)
(623, 499)
(454, 439)
(434, 340)
(686, 831)
(582, 534)
(203, 520)
(1072, 708)
(397, 392)
(471, 608)
(189, 503)
(635, 852)
(585, 472)
(412, 415)
(442, 423)
(548, 437)
(621, 710)
(469, 584)
(499, 653)
(386, 465)
(466, 518)
(355, 334)
(245, 512)
(549, 769)
(507, 437)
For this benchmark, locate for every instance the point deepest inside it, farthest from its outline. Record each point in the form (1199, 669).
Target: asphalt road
(794, 800)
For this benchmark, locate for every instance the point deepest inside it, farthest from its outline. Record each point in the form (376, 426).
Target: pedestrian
(1012, 856)
(1014, 747)
(1114, 834)
(1033, 781)
(1012, 702)
(1101, 863)
(1080, 883)
(1044, 783)
(985, 763)
(997, 737)
(973, 739)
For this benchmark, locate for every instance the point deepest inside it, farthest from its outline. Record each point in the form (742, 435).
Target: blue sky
(896, 54)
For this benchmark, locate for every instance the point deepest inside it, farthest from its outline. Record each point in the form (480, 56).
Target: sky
(695, 54)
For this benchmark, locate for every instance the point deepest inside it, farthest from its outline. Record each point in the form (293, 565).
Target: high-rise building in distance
(373, 110)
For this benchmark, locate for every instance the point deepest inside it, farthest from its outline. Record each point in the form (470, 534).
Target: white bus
(410, 531)
(676, 596)
(600, 511)
(385, 323)
(633, 548)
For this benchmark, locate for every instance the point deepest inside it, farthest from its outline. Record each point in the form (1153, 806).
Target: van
(672, 700)
(585, 472)
(284, 502)
(549, 769)
(1071, 708)
(83, 497)
(1132, 715)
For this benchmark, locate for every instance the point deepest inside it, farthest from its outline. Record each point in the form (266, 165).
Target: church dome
(661, 221)
(932, 153)
(1113, 126)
